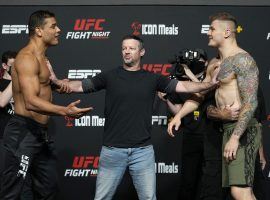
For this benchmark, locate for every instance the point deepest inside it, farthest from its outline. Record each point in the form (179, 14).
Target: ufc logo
(82, 73)
(205, 29)
(86, 24)
(14, 29)
(85, 161)
(24, 166)
(158, 68)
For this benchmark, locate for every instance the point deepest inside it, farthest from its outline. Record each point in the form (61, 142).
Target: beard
(129, 62)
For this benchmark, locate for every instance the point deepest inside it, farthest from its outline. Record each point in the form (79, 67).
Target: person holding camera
(201, 162)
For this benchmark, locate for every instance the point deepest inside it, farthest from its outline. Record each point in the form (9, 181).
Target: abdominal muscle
(228, 94)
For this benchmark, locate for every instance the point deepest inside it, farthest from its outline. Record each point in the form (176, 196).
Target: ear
(228, 32)
(38, 31)
(142, 52)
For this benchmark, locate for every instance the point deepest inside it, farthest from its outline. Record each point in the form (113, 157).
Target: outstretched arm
(60, 86)
(208, 83)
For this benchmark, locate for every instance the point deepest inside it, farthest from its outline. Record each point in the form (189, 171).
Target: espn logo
(205, 28)
(82, 73)
(15, 29)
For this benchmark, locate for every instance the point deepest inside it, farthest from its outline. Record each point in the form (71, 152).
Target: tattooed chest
(226, 69)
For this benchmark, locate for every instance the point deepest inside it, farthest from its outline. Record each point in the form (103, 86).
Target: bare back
(30, 77)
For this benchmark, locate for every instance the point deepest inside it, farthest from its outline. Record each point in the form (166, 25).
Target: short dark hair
(223, 16)
(37, 19)
(8, 55)
(134, 37)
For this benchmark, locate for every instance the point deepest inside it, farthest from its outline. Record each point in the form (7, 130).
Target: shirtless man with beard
(238, 78)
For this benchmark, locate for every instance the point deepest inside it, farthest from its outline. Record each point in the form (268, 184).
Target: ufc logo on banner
(86, 24)
(85, 162)
(158, 68)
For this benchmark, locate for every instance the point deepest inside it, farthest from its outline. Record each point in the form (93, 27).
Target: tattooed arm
(247, 73)
(247, 79)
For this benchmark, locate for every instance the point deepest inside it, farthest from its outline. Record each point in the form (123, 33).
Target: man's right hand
(215, 73)
(161, 95)
(73, 111)
(174, 125)
(229, 113)
(62, 86)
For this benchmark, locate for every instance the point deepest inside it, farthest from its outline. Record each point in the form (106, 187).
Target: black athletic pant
(212, 171)
(202, 152)
(192, 161)
(28, 151)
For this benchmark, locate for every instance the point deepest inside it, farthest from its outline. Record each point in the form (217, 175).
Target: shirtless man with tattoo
(238, 78)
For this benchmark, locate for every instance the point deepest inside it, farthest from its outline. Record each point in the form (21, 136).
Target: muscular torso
(239, 78)
(44, 88)
(228, 93)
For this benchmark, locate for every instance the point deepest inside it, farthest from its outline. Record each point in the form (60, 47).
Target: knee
(241, 193)
(236, 193)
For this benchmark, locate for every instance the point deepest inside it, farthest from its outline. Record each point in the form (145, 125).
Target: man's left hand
(231, 148)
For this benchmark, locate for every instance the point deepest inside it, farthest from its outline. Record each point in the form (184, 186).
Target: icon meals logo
(163, 168)
(15, 29)
(153, 29)
(88, 29)
(85, 121)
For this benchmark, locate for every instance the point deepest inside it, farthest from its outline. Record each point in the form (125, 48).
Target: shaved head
(226, 21)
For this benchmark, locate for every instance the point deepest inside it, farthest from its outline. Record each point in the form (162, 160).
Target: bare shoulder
(213, 64)
(244, 62)
(25, 60)
(243, 58)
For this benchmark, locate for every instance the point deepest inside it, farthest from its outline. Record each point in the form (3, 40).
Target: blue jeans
(112, 166)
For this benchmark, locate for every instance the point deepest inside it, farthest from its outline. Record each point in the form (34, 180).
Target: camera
(194, 59)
